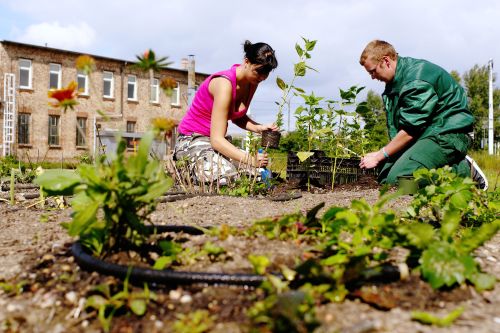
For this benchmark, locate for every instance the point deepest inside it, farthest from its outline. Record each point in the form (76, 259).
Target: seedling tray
(319, 169)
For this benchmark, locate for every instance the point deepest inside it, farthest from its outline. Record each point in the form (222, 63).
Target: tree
(456, 75)
(477, 85)
(375, 121)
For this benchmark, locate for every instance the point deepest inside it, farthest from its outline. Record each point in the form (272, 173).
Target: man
(427, 117)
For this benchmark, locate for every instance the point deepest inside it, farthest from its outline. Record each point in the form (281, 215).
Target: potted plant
(270, 138)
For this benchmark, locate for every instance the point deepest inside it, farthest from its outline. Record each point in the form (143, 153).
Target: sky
(455, 34)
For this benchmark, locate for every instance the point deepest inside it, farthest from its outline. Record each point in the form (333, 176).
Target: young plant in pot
(271, 139)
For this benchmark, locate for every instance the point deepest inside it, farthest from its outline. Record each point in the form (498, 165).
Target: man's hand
(371, 160)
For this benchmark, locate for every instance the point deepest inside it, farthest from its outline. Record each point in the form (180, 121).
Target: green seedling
(259, 263)
(199, 321)
(124, 189)
(430, 319)
(108, 304)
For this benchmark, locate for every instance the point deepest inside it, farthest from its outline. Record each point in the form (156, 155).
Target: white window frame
(85, 77)
(155, 91)
(131, 126)
(30, 73)
(176, 95)
(58, 73)
(23, 127)
(112, 84)
(83, 129)
(57, 127)
(132, 82)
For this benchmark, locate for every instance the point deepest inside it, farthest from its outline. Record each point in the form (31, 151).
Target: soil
(35, 256)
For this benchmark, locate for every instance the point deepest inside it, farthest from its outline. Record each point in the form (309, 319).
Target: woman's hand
(264, 127)
(262, 160)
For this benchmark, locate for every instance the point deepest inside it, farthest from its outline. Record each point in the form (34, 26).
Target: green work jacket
(425, 101)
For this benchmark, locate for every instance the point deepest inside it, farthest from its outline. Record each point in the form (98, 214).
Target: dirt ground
(34, 251)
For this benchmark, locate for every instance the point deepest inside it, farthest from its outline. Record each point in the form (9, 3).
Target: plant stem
(12, 185)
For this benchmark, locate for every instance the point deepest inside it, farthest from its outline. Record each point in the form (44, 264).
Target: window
(81, 132)
(25, 73)
(176, 96)
(55, 76)
(130, 126)
(131, 141)
(53, 130)
(155, 91)
(108, 84)
(81, 80)
(23, 128)
(132, 87)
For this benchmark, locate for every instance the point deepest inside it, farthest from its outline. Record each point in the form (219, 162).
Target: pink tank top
(199, 115)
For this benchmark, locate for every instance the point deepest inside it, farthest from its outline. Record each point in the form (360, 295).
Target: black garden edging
(164, 277)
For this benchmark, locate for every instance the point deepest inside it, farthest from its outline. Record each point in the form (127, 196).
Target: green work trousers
(431, 153)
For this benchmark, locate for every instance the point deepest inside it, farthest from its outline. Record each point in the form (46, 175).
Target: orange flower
(85, 64)
(168, 85)
(148, 62)
(164, 125)
(65, 96)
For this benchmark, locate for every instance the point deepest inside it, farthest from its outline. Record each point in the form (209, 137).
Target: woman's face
(254, 73)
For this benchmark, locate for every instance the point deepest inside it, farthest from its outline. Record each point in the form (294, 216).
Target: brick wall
(118, 109)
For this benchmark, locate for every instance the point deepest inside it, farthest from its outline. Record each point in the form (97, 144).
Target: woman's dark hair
(260, 54)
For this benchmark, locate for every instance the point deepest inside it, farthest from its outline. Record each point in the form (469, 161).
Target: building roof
(7, 42)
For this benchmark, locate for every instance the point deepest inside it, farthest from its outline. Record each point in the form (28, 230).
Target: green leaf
(430, 319)
(95, 302)
(310, 45)
(300, 68)
(442, 265)
(450, 223)
(138, 306)
(140, 160)
(58, 182)
(482, 281)
(289, 274)
(350, 217)
(281, 84)
(156, 190)
(169, 247)
(83, 218)
(299, 50)
(163, 262)
(337, 259)
(299, 90)
(331, 213)
(474, 238)
(461, 199)
(213, 249)
(259, 263)
(304, 155)
(420, 235)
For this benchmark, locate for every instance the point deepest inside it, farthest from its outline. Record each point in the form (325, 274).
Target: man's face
(382, 70)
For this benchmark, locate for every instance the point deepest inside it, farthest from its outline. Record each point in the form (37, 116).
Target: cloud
(71, 37)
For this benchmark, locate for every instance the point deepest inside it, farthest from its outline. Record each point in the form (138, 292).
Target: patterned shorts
(204, 163)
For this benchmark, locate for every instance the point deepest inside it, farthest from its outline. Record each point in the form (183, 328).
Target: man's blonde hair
(375, 50)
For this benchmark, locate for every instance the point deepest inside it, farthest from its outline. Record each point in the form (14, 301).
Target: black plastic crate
(319, 169)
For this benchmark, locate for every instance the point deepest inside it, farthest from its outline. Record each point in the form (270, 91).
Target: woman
(222, 97)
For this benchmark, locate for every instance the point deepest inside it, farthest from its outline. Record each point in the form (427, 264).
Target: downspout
(122, 87)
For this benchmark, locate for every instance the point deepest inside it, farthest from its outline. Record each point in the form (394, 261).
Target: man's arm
(400, 141)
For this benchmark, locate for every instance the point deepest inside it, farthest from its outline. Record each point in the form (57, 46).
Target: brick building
(127, 96)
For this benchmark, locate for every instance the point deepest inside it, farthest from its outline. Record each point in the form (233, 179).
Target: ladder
(9, 114)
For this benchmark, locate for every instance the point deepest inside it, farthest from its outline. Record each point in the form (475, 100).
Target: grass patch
(489, 165)
(278, 162)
